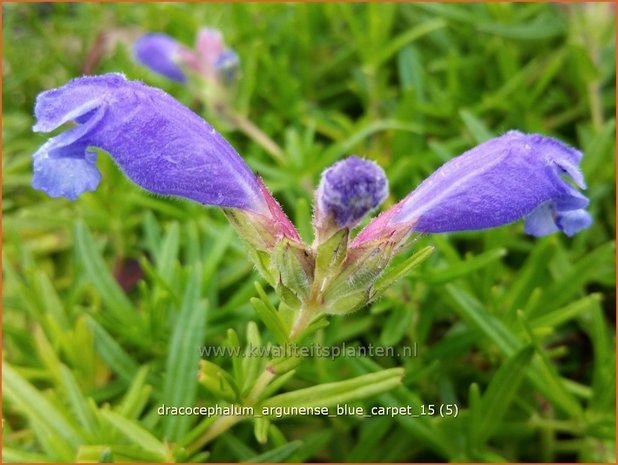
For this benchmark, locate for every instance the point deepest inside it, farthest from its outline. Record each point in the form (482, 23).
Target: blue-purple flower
(167, 149)
(349, 190)
(158, 143)
(161, 54)
(168, 57)
(498, 182)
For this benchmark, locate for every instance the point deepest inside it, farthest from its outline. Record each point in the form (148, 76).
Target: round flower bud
(349, 190)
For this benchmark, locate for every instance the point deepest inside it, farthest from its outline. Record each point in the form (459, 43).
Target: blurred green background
(93, 290)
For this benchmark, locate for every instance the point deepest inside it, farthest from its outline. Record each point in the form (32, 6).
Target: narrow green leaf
(37, 408)
(394, 273)
(50, 299)
(370, 439)
(396, 326)
(181, 382)
(530, 275)
(473, 311)
(216, 254)
(260, 429)
(99, 276)
(407, 37)
(570, 285)
(278, 382)
(76, 399)
(239, 449)
(312, 444)
(475, 415)
(271, 319)
(411, 72)
(251, 364)
(423, 432)
(547, 378)
(454, 271)
(604, 375)
(303, 219)
(329, 394)
(168, 253)
(561, 315)
(346, 146)
(477, 128)
(137, 434)
(280, 454)
(11, 455)
(217, 381)
(138, 393)
(112, 352)
(500, 393)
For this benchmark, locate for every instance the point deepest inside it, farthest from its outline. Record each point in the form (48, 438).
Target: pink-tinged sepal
(273, 242)
(381, 228)
(283, 227)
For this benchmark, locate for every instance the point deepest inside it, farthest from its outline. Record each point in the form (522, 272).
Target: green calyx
(329, 277)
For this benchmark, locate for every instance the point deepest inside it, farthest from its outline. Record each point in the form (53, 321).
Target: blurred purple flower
(210, 58)
(498, 182)
(161, 54)
(349, 190)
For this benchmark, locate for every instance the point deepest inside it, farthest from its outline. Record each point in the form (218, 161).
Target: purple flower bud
(226, 66)
(158, 143)
(161, 54)
(498, 182)
(210, 59)
(349, 190)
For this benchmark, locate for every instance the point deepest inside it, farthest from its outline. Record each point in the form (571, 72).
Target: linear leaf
(136, 433)
(112, 352)
(280, 454)
(501, 392)
(100, 277)
(329, 394)
(183, 356)
(37, 408)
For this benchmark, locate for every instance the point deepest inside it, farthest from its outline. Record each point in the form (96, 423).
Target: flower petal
(572, 222)
(541, 221)
(64, 177)
(495, 183)
(159, 144)
(73, 102)
(161, 54)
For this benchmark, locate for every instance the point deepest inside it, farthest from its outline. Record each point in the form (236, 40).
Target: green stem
(304, 317)
(257, 135)
(216, 98)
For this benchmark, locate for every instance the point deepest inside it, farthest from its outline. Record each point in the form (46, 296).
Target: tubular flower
(498, 182)
(161, 54)
(168, 57)
(157, 142)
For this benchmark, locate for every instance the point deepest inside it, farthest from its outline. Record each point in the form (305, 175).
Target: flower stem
(304, 317)
(245, 125)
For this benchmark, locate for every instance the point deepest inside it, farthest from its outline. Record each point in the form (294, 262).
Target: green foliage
(107, 301)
